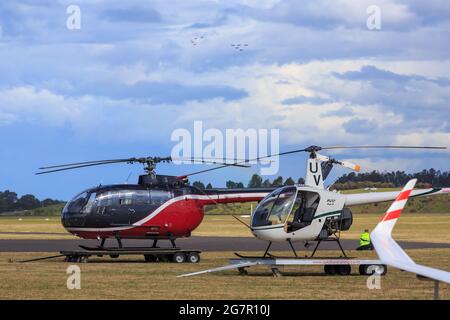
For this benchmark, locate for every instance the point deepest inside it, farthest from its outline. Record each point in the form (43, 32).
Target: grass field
(412, 226)
(139, 280)
(131, 278)
(50, 225)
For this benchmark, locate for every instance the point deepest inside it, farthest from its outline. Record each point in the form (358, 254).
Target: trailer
(331, 266)
(151, 254)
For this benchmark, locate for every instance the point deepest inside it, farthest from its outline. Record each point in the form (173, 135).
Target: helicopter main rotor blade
(381, 147)
(199, 160)
(84, 162)
(317, 148)
(245, 161)
(80, 166)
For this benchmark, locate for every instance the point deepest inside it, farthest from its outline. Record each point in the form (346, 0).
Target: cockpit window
(275, 208)
(159, 196)
(110, 201)
(89, 203)
(77, 203)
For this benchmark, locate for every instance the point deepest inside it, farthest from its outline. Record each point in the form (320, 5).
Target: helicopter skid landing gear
(267, 250)
(292, 247)
(119, 242)
(329, 239)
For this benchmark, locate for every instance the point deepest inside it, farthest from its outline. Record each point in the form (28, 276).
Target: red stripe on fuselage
(177, 220)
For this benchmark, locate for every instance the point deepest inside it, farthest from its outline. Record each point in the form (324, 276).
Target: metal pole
(436, 290)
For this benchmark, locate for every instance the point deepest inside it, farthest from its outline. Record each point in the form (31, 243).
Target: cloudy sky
(122, 83)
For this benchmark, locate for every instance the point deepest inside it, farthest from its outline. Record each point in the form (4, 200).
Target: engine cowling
(345, 220)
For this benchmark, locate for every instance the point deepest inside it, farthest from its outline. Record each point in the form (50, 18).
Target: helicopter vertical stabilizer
(314, 176)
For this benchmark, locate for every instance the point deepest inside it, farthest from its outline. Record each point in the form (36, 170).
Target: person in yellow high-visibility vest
(364, 241)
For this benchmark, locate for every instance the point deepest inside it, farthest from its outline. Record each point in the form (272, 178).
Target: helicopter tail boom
(374, 197)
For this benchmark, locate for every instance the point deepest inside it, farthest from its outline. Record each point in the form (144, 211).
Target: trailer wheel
(179, 257)
(149, 258)
(113, 256)
(344, 269)
(164, 258)
(330, 269)
(242, 271)
(380, 268)
(193, 257)
(383, 268)
(363, 269)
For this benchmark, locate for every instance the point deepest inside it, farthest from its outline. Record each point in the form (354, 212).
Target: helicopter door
(126, 208)
(303, 210)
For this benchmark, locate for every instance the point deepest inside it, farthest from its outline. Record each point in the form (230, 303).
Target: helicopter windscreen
(275, 208)
(78, 203)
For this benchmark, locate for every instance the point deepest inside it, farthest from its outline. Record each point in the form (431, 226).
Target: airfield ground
(424, 227)
(131, 278)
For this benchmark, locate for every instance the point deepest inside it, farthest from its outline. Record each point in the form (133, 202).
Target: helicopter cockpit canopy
(286, 205)
(101, 201)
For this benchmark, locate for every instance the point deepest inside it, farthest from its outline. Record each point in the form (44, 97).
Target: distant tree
(278, 182)
(267, 183)
(209, 186)
(231, 184)
(49, 202)
(289, 182)
(199, 184)
(255, 181)
(240, 185)
(8, 201)
(301, 181)
(28, 202)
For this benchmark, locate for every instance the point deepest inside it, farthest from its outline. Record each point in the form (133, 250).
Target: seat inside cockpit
(289, 206)
(303, 210)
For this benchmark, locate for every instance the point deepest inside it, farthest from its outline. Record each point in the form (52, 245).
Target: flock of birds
(238, 46)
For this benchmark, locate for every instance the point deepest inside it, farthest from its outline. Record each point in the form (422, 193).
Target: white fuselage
(330, 205)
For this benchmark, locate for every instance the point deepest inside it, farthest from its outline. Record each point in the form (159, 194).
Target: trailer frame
(151, 254)
(332, 266)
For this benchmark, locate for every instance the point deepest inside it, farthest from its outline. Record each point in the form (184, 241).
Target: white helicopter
(311, 213)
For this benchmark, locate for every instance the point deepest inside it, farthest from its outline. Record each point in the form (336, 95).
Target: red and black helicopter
(158, 207)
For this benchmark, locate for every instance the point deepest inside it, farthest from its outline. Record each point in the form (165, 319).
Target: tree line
(394, 179)
(9, 201)
(256, 181)
(352, 180)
